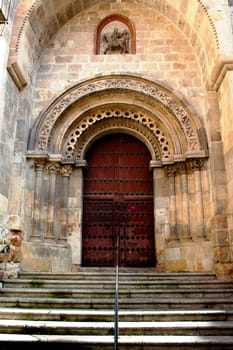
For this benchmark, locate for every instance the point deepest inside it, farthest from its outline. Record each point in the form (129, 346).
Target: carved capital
(181, 168)
(189, 166)
(39, 164)
(196, 164)
(66, 170)
(53, 167)
(171, 170)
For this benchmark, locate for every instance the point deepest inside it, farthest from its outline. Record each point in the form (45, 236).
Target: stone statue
(117, 42)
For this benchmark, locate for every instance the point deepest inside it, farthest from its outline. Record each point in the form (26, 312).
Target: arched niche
(106, 30)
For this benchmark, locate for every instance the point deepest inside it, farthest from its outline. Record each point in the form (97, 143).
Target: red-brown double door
(118, 201)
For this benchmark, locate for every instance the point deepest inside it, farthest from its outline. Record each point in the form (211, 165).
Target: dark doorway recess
(118, 200)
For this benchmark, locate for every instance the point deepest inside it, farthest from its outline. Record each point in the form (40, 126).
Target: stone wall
(231, 12)
(162, 54)
(183, 45)
(10, 249)
(7, 118)
(15, 111)
(226, 106)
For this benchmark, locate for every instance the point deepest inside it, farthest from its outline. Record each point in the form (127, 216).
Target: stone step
(156, 310)
(195, 328)
(124, 303)
(145, 342)
(108, 315)
(109, 274)
(124, 284)
(123, 293)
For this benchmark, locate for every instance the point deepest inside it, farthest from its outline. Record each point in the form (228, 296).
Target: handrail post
(116, 330)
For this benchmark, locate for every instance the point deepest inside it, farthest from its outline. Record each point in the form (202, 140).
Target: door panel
(118, 200)
(98, 233)
(136, 233)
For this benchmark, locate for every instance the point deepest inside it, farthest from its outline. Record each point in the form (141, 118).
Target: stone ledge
(17, 75)
(218, 73)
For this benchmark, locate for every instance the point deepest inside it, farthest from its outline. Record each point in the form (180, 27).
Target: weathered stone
(173, 91)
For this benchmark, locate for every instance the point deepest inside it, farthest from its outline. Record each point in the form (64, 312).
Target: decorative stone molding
(66, 170)
(205, 10)
(53, 167)
(196, 164)
(116, 118)
(219, 73)
(189, 125)
(171, 170)
(189, 166)
(17, 75)
(113, 125)
(39, 165)
(181, 168)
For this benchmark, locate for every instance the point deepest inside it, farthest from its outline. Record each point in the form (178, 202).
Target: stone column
(171, 172)
(36, 226)
(206, 199)
(196, 165)
(66, 171)
(52, 168)
(186, 236)
(178, 205)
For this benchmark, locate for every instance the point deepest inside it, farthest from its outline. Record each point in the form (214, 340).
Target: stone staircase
(156, 310)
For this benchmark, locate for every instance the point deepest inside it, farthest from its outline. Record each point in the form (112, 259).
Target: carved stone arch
(156, 137)
(115, 125)
(156, 118)
(68, 127)
(179, 124)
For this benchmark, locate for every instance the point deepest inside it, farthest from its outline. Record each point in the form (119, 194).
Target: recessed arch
(69, 113)
(60, 14)
(108, 127)
(136, 107)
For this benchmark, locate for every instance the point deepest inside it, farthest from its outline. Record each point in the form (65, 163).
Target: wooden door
(118, 200)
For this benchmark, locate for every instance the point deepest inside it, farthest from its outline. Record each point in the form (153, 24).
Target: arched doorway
(80, 227)
(118, 200)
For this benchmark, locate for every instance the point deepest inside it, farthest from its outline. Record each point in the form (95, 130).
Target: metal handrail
(116, 318)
